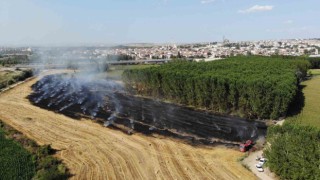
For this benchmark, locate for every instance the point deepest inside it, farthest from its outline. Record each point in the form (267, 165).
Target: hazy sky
(72, 22)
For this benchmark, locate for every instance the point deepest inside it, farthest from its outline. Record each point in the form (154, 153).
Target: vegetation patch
(315, 62)
(22, 158)
(115, 71)
(309, 114)
(12, 60)
(8, 78)
(314, 72)
(252, 87)
(294, 152)
(16, 162)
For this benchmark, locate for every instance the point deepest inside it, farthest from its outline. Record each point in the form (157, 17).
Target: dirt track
(94, 152)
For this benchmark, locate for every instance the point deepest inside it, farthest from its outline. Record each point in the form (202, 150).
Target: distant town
(198, 51)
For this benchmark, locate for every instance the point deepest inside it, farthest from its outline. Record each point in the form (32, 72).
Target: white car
(260, 169)
(262, 160)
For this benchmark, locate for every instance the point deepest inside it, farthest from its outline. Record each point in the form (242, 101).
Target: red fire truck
(245, 147)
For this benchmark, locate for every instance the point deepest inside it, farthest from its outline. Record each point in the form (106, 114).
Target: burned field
(106, 102)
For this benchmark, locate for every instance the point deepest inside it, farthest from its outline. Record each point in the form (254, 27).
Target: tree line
(120, 57)
(315, 62)
(13, 60)
(252, 87)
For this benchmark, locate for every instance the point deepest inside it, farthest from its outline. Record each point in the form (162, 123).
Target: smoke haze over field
(79, 86)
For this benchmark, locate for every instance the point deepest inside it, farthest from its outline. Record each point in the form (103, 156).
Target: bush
(50, 174)
(44, 151)
(47, 162)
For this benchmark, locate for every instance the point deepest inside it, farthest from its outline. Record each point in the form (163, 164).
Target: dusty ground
(251, 162)
(94, 152)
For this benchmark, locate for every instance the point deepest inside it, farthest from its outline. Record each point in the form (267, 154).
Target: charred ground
(106, 102)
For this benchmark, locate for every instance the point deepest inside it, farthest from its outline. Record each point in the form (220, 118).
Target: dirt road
(251, 162)
(94, 152)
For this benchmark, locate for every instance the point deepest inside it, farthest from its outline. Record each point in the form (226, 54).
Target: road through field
(93, 152)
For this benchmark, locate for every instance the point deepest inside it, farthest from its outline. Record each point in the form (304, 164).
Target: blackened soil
(105, 102)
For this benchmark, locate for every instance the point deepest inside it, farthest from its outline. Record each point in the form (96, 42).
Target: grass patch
(243, 157)
(7, 75)
(310, 113)
(22, 158)
(246, 166)
(314, 72)
(16, 162)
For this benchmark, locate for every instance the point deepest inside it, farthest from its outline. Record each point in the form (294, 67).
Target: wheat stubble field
(91, 151)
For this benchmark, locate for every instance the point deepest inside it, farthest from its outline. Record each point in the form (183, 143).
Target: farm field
(315, 71)
(94, 152)
(310, 112)
(16, 162)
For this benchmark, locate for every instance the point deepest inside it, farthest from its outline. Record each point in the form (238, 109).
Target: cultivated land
(94, 152)
(310, 112)
(16, 162)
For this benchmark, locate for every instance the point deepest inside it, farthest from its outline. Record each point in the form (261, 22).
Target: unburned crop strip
(22, 158)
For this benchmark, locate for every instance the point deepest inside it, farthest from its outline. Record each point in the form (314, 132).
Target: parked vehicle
(261, 162)
(260, 169)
